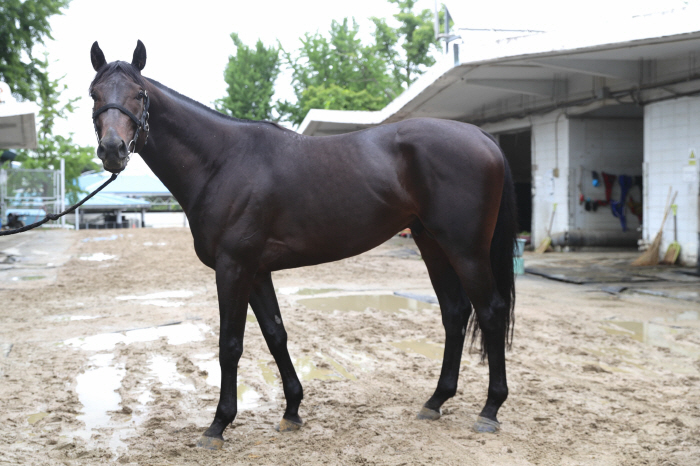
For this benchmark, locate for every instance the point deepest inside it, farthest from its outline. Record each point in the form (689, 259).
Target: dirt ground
(109, 342)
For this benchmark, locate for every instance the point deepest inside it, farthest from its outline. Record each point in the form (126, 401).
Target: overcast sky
(188, 43)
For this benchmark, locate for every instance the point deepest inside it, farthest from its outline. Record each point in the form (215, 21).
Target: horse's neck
(176, 150)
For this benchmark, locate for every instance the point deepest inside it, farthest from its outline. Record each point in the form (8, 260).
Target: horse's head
(120, 111)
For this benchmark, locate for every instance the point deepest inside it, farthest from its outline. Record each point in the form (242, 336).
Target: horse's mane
(209, 110)
(133, 73)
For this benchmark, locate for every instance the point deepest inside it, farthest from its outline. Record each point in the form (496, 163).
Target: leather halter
(141, 124)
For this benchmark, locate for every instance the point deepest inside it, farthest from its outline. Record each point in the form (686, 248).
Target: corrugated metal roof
(481, 82)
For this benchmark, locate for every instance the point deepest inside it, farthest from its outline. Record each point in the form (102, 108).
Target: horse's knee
(230, 353)
(277, 338)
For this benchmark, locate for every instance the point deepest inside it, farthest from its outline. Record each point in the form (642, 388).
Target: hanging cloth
(608, 181)
(635, 207)
(618, 208)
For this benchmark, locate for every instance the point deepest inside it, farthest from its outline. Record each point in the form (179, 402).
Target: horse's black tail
(502, 253)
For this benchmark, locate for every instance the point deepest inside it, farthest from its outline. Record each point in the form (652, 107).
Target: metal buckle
(132, 146)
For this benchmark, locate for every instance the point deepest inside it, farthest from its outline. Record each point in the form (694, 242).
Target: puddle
(290, 290)
(665, 333)
(165, 370)
(98, 257)
(96, 392)
(102, 238)
(34, 418)
(213, 370)
(359, 360)
(32, 277)
(427, 349)
(176, 334)
(64, 318)
(159, 299)
(150, 243)
(247, 397)
(386, 303)
(267, 373)
(308, 370)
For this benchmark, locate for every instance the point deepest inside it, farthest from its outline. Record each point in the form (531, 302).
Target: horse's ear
(139, 60)
(97, 57)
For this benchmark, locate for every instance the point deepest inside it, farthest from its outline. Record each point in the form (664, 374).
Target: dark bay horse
(261, 198)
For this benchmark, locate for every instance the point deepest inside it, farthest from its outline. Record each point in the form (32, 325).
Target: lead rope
(57, 216)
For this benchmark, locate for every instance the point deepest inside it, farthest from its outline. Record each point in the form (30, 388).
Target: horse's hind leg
(264, 303)
(455, 308)
(474, 270)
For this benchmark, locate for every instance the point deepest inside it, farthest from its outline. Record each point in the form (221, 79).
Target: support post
(62, 192)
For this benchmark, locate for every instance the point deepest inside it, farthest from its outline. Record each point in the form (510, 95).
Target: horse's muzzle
(113, 152)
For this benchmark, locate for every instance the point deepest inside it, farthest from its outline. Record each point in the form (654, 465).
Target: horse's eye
(93, 96)
(140, 95)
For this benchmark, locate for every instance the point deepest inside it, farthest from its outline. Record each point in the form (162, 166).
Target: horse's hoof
(485, 425)
(427, 414)
(210, 443)
(286, 425)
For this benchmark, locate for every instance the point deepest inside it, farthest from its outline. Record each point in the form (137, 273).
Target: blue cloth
(618, 208)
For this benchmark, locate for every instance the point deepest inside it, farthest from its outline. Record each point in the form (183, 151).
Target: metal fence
(32, 193)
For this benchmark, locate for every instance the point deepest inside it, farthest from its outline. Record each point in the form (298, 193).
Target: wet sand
(109, 341)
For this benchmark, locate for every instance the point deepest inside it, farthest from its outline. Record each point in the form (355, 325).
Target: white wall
(671, 131)
(550, 154)
(614, 146)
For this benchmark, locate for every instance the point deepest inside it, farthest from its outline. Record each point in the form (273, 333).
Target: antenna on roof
(446, 35)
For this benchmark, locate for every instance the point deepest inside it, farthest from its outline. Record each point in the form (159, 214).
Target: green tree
(51, 148)
(339, 72)
(23, 24)
(336, 72)
(250, 76)
(408, 49)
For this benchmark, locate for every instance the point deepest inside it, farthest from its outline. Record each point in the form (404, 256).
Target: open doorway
(516, 147)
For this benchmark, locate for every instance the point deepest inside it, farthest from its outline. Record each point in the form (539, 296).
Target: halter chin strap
(141, 124)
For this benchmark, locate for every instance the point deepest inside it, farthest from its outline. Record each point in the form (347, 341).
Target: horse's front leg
(264, 303)
(233, 284)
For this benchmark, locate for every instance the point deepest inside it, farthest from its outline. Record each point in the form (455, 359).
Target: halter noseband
(141, 124)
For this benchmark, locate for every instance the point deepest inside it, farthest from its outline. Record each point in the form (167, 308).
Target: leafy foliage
(406, 49)
(335, 71)
(51, 148)
(250, 76)
(23, 24)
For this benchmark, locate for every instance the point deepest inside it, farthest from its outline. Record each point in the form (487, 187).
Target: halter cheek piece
(141, 124)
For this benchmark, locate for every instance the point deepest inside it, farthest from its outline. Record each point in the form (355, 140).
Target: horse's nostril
(123, 151)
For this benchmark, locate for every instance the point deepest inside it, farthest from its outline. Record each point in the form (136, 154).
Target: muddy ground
(109, 342)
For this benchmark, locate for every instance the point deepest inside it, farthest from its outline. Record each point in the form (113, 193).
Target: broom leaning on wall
(651, 255)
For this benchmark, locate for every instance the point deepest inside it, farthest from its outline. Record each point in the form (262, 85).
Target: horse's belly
(320, 242)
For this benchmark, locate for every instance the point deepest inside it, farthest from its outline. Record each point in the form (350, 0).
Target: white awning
(18, 125)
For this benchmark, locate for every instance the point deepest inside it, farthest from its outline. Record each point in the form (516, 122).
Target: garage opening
(516, 146)
(606, 153)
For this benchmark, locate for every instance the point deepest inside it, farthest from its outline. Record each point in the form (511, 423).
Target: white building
(568, 107)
